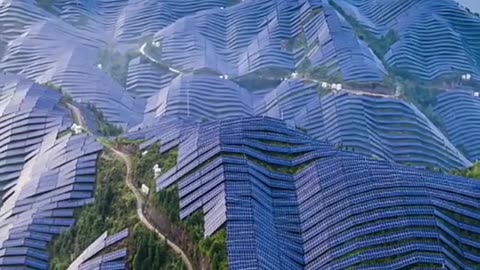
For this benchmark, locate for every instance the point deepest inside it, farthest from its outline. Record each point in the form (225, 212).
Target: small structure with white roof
(77, 129)
(157, 171)
(145, 189)
(467, 77)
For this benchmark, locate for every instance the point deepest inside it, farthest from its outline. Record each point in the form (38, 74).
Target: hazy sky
(474, 5)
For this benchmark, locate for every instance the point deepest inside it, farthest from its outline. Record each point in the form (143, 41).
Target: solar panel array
(72, 64)
(102, 254)
(238, 40)
(418, 218)
(30, 116)
(205, 97)
(436, 38)
(145, 79)
(387, 128)
(292, 202)
(288, 201)
(459, 111)
(119, 21)
(53, 183)
(45, 172)
(251, 38)
(340, 49)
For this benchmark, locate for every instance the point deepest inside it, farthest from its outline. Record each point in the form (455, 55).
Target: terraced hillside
(459, 111)
(312, 202)
(434, 37)
(386, 128)
(47, 172)
(31, 116)
(291, 134)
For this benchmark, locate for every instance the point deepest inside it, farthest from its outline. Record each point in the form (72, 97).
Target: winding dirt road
(129, 179)
(140, 203)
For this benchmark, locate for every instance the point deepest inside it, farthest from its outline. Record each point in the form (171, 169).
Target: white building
(77, 129)
(145, 189)
(157, 171)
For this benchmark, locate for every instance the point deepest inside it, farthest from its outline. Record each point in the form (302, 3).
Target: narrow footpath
(141, 202)
(129, 179)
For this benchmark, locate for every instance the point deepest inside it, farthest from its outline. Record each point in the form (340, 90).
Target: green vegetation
(473, 172)
(392, 259)
(66, 99)
(302, 129)
(150, 252)
(207, 72)
(155, 51)
(103, 126)
(47, 5)
(113, 210)
(232, 2)
(3, 46)
(319, 73)
(277, 143)
(422, 94)
(53, 86)
(116, 64)
(340, 146)
(296, 43)
(123, 141)
(64, 133)
(144, 165)
(263, 79)
(104, 141)
(379, 46)
(281, 169)
(167, 202)
(215, 248)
